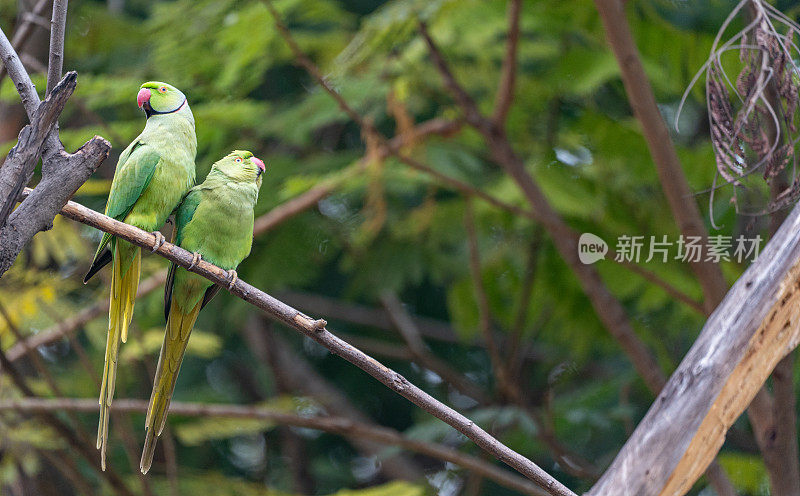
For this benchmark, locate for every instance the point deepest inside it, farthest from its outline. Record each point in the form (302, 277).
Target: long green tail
(179, 326)
(125, 273)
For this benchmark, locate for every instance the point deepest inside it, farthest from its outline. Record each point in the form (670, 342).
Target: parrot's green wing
(137, 165)
(182, 217)
(135, 169)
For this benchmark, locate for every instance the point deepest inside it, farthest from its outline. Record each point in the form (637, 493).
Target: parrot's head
(242, 167)
(157, 98)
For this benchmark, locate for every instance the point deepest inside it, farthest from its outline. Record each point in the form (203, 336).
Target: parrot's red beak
(142, 97)
(260, 164)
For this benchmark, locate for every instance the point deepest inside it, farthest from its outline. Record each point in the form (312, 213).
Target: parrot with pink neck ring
(153, 174)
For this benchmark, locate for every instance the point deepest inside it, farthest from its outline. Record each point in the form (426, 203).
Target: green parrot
(215, 222)
(153, 174)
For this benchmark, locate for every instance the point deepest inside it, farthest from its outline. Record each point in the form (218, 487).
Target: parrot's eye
(237, 160)
(162, 89)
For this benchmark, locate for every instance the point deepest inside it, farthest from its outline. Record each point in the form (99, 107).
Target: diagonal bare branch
(316, 330)
(411, 335)
(673, 180)
(753, 328)
(18, 74)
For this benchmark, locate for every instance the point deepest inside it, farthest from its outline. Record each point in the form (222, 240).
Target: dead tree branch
(62, 173)
(23, 157)
(15, 69)
(754, 327)
(679, 195)
(315, 329)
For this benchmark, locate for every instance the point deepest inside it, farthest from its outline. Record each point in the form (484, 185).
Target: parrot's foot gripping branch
(233, 277)
(196, 257)
(159, 240)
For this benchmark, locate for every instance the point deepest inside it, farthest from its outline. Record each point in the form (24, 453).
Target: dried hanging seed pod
(752, 107)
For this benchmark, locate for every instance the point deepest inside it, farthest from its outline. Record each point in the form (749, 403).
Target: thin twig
(410, 333)
(515, 358)
(484, 312)
(306, 62)
(505, 90)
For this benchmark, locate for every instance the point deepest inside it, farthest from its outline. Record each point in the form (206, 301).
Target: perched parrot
(153, 174)
(215, 222)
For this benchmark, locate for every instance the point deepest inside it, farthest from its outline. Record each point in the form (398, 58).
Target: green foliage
(398, 488)
(746, 471)
(385, 226)
(196, 432)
